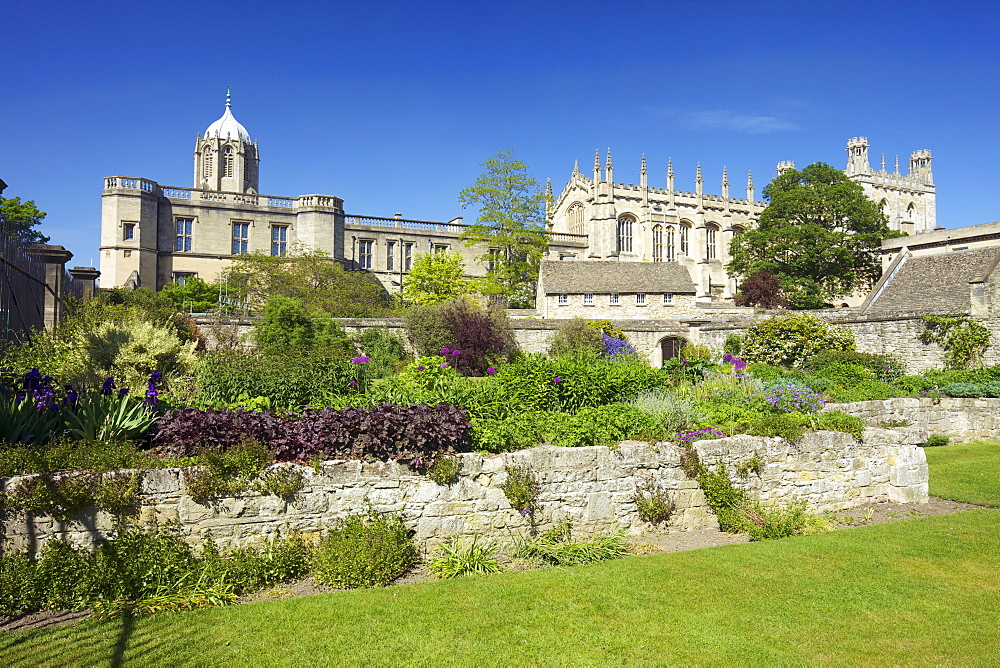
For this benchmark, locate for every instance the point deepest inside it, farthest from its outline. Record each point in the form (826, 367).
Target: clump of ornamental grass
(457, 557)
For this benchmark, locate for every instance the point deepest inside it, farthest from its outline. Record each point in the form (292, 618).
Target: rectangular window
(588, 299)
(563, 300)
(279, 240)
(390, 255)
(241, 238)
(182, 277)
(365, 254)
(128, 231)
(494, 259)
(640, 299)
(407, 257)
(440, 248)
(614, 299)
(668, 298)
(184, 227)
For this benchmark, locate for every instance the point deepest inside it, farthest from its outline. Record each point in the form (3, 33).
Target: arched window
(208, 163)
(910, 211)
(685, 237)
(737, 230)
(575, 219)
(657, 243)
(884, 206)
(228, 168)
(671, 250)
(711, 241)
(625, 234)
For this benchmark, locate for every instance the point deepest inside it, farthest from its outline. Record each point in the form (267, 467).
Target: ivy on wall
(964, 340)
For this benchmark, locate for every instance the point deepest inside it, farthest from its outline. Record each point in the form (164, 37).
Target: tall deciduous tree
(510, 224)
(435, 278)
(820, 235)
(17, 219)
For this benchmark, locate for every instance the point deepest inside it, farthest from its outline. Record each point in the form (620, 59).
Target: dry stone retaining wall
(961, 419)
(594, 487)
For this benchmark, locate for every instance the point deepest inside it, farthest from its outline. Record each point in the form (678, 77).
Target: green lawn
(968, 472)
(921, 591)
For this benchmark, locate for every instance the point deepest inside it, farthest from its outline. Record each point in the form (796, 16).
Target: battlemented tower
(907, 199)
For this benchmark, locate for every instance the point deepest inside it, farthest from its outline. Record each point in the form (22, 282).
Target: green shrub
(516, 432)
(789, 426)
(962, 390)
(914, 384)
(285, 326)
(838, 421)
(722, 496)
(557, 548)
(283, 482)
(444, 470)
(521, 488)
(752, 465)
(885, 367)
(964, 340)
(230, 472)
(369, 550)
(386, 350)
(766, 372)
(673, 412)
(653, 504)
(791, 339)
(456, 557)
(845, 374)
(576, 336)
(936, 440)
(869, 390)
(733, 344)
(763, 522)
(607, 425)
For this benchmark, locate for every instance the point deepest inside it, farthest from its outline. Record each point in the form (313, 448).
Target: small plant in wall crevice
(521, 488)
(653, 504)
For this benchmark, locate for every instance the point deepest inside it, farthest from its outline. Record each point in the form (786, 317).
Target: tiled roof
(601, 276)
(933, 283)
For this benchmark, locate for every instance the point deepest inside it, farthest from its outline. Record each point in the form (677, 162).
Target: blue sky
(392, 105)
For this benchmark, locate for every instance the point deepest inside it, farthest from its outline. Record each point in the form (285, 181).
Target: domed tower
(225, 159)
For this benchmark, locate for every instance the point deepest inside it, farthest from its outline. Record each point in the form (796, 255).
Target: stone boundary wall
(594, 487)
(961, 419)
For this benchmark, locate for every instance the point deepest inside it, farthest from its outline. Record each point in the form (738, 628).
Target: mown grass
(968, 472)
(919, 591)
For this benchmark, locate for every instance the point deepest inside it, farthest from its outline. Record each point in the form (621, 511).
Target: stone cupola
(225, 158)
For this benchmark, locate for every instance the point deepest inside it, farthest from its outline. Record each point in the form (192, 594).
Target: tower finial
(725, 176)
(607, 164)
(229, 100)
(576, 166)
(670, 167)
(642, 170)
(597, 159)
(897, 164)
(883, 161)
(697, 174)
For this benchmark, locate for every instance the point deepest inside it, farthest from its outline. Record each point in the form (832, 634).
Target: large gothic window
(228, 168)
(625, 234)
(685, 237)
(208, 163)
(711, 242)
(671, 250)
(575, 217)
(657, 243)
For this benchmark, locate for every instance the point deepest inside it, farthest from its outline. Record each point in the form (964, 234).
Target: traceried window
(241, 238)
(657, 243)
(279, 240)
(588, 299)
(625, 234)
(711, 242)
(685, 238)
(365, 254)
(184, 229)
(407, 257)
(671, 250)
(228, 163)
(208, 163)
(575, 218)
(390, 255)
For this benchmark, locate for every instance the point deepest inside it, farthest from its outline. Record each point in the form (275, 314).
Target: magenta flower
(361, 360)
(456, 352)
(352, 384)
(445, 351)
(557, 379)
(421, 367)
(444, 366)
(490, 369)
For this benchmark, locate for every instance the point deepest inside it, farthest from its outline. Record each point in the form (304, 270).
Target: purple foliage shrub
(481, 335)
(412, 435)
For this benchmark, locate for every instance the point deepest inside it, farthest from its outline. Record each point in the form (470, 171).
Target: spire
(749, 180)
(642, 170)
(697, 174)
(548, 189)
(576, 166)
(897, 164)
(670, 168)
(725, 177)
(607, 163)
(883, 161)
(597, 160)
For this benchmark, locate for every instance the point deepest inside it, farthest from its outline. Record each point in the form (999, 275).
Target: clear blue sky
(392, 105)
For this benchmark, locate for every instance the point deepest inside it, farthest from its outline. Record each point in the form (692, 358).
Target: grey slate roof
(601, 276)
(933, 283)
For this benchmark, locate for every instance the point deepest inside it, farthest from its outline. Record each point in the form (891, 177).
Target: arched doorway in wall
(670, 347)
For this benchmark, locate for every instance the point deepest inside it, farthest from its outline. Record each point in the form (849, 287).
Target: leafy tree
(195, 295)
(436, 278)
(284, 326)
(510, 224)
(763, 289)
(17, 219)
(792, 339)
(820, 235)
(313, 277)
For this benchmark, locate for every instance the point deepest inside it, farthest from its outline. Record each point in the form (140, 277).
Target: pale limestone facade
(639, 223)
(153, 234)
(594, 487)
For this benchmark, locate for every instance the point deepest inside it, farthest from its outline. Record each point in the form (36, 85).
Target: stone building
(641, 223)
(152, 234)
